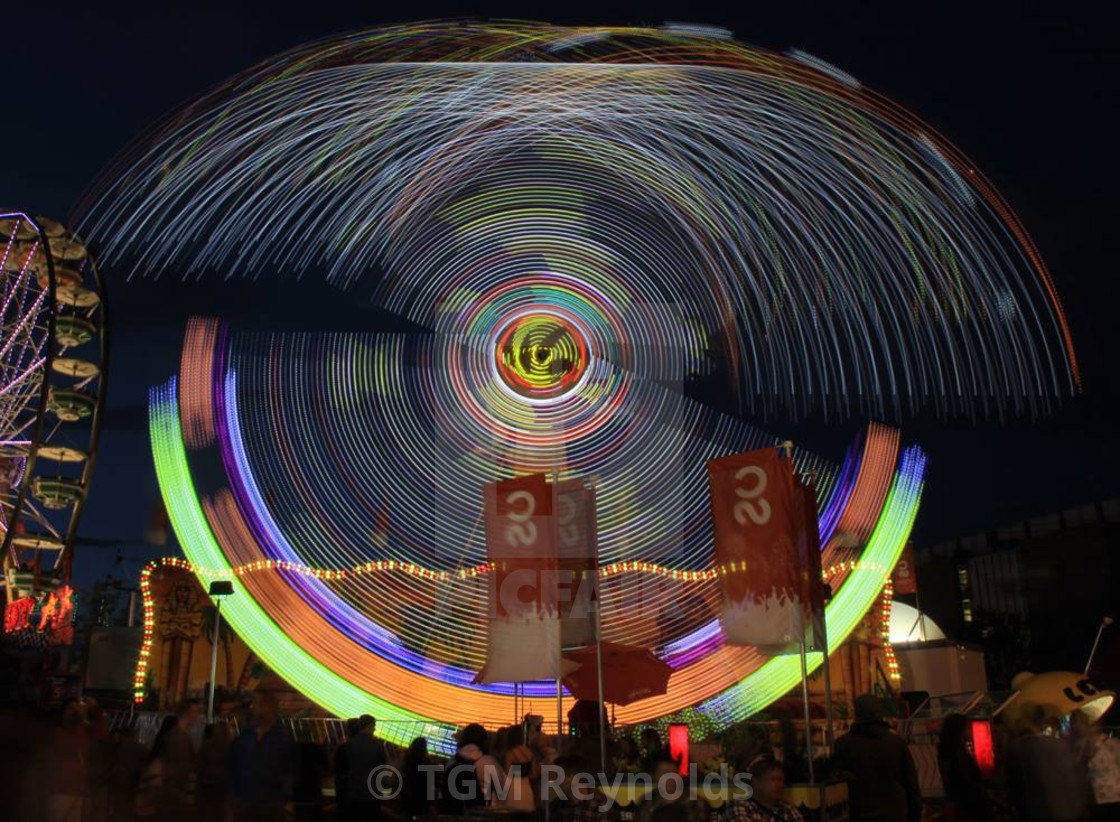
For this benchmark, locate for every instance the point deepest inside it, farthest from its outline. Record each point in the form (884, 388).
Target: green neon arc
(253, 624)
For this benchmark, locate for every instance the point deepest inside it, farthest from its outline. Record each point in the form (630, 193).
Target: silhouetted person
(165, 790)
(518, 783)
(1099, 755)
(768, 799)
(471, 775)
(418, 788)
(342, 769)
(213, 767)
(67, 755)
(307, 791)
(652, 749)
(960, 775)
(129, 755)
(1043, 780)
(566, 806)
(365, 755)
(261, 763)
(884, 781)
(628, 758)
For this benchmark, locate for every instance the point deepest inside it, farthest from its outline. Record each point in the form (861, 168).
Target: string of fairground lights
(149, 605)
(343, 698)
(893, 671)
(845, 255)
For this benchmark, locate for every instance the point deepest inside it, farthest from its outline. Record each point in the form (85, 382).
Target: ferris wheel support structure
(52, 390)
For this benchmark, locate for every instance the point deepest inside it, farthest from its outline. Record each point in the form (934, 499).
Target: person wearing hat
(883, 781)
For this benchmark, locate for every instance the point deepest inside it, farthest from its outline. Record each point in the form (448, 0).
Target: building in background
(1033, 592)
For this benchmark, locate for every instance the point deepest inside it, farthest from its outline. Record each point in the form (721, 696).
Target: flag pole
(602, 718)
(787, 446)
(599, 671)
(830, 732)
(560, 632)
(559, 713)
(805, 701)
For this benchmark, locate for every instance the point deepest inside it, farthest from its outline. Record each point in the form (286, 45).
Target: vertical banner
(809, 566)
(754, 518)
(905, 575)
(578, 550)
(524, 625)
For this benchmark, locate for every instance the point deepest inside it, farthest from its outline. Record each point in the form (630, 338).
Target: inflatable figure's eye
(1086, 687)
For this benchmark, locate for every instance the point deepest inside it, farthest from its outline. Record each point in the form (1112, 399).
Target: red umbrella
(629, 674)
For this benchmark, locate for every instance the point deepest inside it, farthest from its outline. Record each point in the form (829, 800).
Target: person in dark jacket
(960, 775)
(418, 789)
(1044, 782)
(883, 783)
(261, 763)
(307, 788)
(342, 770)
(364, 754)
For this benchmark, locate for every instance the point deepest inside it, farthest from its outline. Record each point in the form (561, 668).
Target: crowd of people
(249, 767)
(1048, 773)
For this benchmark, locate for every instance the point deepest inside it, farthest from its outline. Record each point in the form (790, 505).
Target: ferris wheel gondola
(53, 361)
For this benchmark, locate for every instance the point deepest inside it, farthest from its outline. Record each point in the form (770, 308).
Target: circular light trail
(838, 254)
(586, 225)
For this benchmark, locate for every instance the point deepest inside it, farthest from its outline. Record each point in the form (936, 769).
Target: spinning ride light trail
(840, 254)
(585, 224)
(321, 622)
(310, 667)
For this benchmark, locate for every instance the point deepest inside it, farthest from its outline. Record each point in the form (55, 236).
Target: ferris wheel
(53, 358)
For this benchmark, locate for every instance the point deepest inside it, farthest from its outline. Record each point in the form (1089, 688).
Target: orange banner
(578, 550)
(905, 575)
(524, 624)
(809, 565)
(755, 516)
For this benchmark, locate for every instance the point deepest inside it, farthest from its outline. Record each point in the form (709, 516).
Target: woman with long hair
(418, 794)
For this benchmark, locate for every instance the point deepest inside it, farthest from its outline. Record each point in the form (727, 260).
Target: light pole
(218, 588)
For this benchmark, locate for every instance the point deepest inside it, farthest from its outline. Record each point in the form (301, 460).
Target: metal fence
(329, 731)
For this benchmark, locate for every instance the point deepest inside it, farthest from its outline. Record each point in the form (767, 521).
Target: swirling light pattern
(583, 224)
(836, 252)
(356, 550)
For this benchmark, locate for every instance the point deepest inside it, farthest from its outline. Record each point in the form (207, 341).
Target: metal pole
(599, 673)
(1104, 624)
(805, 700)
(214, 661)
(560, 631)
(559, 712)
(921, 616)
(829, 733)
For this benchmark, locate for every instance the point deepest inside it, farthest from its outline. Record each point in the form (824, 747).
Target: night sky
(1028, 91)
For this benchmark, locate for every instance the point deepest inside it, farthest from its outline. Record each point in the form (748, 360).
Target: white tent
(908, 625)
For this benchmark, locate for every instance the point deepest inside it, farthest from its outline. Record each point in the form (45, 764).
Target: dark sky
(1027, 90)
